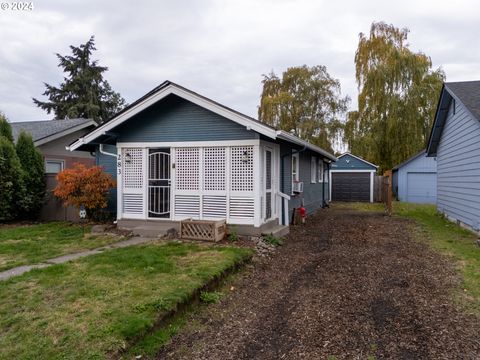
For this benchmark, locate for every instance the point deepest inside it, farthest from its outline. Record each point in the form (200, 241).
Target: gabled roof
(48, 130)
(421, 153)
(358, 158)
(168, 88)
(466, 92)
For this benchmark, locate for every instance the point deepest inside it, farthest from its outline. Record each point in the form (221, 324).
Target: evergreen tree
(84, 93)
(306, 101)
(33, 176)
(11, 186)
(398, 94)
(5, 128)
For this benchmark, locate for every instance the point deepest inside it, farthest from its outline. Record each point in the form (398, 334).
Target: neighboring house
(352, 179)
(415, 180)
(455, 142)
(180, 155)
(51, 137)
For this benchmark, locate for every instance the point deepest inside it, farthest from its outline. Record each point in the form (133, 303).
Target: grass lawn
(30, 244)
(446, 237)
(93, 307)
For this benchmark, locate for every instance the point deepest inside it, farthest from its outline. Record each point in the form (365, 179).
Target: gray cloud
(218, 48)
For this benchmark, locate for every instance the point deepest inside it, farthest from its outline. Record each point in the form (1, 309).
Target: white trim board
(356, 170)
(188, 143)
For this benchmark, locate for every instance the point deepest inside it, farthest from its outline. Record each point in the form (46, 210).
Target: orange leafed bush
(87, 186)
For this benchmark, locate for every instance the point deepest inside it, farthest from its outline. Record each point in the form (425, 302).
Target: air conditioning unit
(297, 187)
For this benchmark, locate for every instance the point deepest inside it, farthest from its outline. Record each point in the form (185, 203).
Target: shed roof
(47, 130)
(468, 93)
(421, 153)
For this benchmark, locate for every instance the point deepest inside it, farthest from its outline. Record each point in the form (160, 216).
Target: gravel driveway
(348, 285)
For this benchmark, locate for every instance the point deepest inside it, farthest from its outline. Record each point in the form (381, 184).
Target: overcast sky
(219, 48)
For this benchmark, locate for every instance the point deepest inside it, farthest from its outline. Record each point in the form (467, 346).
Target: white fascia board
(172, 89)
(358, 158)
(293, 139)
(171, 144)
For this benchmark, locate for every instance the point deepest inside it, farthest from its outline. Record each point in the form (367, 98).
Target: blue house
(415, 180)
(455, 142)
(352, 179)
(178, 155)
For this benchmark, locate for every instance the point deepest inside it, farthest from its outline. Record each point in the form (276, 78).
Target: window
(320, 170)
(53, 166)
(295, 168)
(313, 169)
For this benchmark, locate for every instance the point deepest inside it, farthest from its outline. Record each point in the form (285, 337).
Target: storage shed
(415, 180)
(351, 179)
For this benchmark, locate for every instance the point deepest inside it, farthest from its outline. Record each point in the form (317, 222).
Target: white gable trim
(62, 133)
(358, 158)
(187, 95)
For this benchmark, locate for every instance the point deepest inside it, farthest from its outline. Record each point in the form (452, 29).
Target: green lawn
(94, 307)
(30, 244)
(446, 237)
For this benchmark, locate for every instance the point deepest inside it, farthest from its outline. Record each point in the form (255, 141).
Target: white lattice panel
(242, 207)
(214, 162)
(241, 175)
(132, 203)
(187, 168)
(133, 168)
(214, 207)
(187, 205)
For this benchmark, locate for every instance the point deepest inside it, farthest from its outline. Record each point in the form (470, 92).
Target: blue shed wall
(176, 119)
(424, 168)
(348, 162)
(458, 167)
(109, 164)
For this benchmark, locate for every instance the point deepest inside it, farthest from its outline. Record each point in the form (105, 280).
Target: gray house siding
(109, 164)
(416, 180)
(171, 120)
(458, 167)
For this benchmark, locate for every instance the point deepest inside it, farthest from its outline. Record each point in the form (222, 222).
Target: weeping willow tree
(306, 101)
(398, 94)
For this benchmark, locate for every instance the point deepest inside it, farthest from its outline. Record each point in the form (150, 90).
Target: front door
(159, 183)
(268, 184)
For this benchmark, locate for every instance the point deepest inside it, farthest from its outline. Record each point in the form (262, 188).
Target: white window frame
(57, 161)
(295, 171)
(320, 171)
(313, 169)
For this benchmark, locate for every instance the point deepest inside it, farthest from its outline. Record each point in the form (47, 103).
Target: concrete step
(148, 230)
(277, 231)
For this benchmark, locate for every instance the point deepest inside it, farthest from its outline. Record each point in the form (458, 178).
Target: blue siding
(312, 192)
(109, 164)
(458, 167)
(176, 119)
(348, 162)
(416, 181)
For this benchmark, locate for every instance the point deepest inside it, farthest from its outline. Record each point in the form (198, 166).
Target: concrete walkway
(19, 270)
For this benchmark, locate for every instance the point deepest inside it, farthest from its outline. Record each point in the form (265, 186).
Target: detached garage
(351, 179)
(415, 180)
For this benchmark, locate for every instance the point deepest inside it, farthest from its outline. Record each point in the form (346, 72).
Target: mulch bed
(346, 285)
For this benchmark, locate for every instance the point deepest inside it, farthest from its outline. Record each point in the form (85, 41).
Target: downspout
(100, 148)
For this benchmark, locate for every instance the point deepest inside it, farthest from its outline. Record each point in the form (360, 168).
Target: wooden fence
(378, 189)
(382, 190)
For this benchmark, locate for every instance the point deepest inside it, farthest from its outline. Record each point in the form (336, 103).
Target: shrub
(233, 235)
(5, 128)
(33, 176)
(11, 186)
(87, 186)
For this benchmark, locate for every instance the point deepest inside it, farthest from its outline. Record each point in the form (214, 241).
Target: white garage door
(422, 187)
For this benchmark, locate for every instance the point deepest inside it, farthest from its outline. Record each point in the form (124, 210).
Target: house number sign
(119, 164)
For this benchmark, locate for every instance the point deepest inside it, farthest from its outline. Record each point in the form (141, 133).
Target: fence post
(388, 198)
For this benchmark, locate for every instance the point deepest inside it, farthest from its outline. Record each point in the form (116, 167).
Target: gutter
(100, 148)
